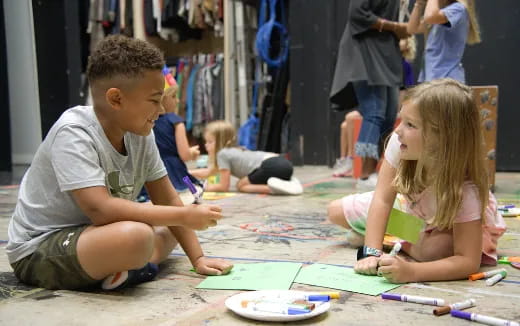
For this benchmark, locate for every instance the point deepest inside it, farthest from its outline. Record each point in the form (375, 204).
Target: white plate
(234, 303)
(515, 211)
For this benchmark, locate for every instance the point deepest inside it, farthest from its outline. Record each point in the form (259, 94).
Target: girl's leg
(351, 213)
(244, 185)
(108, 249)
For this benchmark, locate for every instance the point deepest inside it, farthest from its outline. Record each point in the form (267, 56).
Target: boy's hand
(212, 266)
(395, 269)
(367, 266)
(200, 217)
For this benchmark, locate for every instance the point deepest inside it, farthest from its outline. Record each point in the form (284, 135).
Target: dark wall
(5, 134)
(315, 30)
(57, 38)
(495, 62)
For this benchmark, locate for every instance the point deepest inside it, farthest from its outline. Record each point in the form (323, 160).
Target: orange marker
(478, 276)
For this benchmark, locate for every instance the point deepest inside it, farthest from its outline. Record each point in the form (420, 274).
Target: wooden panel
(487, 101)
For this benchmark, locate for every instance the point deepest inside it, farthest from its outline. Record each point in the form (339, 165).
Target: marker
(395, 249)
(455, 306)
(483, 319)
(502, 207)
(192, 189)
(496, 278)
(312, 297)
(478, 276)
(413, 298)
(332, 295)
(277, 308)
(508, 260)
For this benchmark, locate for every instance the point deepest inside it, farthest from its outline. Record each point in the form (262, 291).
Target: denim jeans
(378, 106)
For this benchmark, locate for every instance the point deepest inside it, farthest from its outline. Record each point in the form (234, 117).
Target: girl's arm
(467, 253)
(202, 173)
(416, 23)
(433, 13)
(378, 213)
(380, 207)
(186, 152)
(223, 185)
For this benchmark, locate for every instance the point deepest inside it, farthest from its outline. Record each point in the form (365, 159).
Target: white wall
(26, 132)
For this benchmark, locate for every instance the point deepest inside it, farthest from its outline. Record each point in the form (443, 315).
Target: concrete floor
(173, 300)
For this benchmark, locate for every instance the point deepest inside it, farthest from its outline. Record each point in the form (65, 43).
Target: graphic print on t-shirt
(118, 190)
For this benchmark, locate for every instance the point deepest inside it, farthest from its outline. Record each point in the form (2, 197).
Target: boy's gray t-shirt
(76, 154)
(240, 162)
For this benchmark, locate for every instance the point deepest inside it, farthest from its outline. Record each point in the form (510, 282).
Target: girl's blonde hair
(453, 147)
(474, 27)
(225, 136)
(171, 92)
(411, 48)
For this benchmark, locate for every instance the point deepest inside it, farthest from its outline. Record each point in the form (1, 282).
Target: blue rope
(265, 30)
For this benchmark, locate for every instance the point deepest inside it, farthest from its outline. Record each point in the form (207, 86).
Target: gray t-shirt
(76, 154)
(240, 162)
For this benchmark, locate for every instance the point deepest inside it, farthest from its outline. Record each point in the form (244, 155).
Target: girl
(257, 171)
(434, 163)
(171, 140)
(448, 25)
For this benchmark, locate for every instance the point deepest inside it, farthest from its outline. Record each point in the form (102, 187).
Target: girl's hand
(212, 266)
(395, 269)
(194, 152)
(367, 266)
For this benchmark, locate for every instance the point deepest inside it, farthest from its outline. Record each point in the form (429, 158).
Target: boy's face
(141, 104)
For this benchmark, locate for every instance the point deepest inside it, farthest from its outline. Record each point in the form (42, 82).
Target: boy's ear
(114, 97)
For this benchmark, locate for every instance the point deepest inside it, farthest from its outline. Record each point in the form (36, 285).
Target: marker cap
(461, 314)
(477, 276)
(441, 311)
(391, 296)
(318, 297)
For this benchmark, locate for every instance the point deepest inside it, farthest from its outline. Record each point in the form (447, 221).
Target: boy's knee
(138, 237)
(344, 125)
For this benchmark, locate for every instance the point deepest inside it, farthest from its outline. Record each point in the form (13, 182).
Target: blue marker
(277, 308)
(313, 297)
(193, 190)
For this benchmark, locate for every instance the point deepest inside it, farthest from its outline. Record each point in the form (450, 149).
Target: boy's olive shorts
(55, 265)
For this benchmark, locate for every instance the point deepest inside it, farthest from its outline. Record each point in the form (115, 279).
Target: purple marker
(192, 188)
(413, 298)
(483, 319)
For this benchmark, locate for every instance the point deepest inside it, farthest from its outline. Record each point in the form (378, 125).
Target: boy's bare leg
(108, 249)
(369, 167)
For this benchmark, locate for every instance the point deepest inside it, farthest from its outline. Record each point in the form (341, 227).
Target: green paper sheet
(343, 278)
(404, 226)
(257, 276)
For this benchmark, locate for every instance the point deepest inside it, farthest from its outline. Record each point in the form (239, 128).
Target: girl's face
(410, 132)
(209, 143)
(170, 103)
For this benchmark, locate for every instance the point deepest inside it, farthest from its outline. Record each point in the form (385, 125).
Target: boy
(75, 222)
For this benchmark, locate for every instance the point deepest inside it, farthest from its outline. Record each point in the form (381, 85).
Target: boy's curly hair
(118, 55)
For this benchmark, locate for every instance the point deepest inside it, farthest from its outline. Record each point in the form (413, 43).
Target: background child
(171, 140)
(76, 223)
(435, 162)
(257, 171)
(447, 25)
